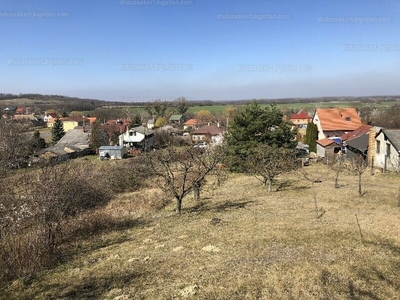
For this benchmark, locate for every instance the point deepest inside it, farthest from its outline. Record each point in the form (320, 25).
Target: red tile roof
(326, 142)
(119, 121)
(363, 129)
(332, 119)
(301, 115)
(191, 122)
(209, 130)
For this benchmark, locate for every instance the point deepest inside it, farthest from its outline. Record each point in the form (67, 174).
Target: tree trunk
(269, 185)
(178, 205)
(196, 191)
(338, 171)
(398, 199)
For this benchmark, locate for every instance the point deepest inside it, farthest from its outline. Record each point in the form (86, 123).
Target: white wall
(392, 162)
(317, 122)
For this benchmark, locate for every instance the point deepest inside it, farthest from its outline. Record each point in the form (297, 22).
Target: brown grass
(259, 245)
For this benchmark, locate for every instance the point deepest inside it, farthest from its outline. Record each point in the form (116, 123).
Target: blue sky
(140, 50)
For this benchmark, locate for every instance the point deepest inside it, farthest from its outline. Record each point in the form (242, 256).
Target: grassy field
(240, 242)
(296, 106)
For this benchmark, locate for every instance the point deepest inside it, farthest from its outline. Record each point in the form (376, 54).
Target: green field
(215, 109)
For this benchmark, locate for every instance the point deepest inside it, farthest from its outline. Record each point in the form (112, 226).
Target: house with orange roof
(334, 122)
(191, 124)
(353, 143)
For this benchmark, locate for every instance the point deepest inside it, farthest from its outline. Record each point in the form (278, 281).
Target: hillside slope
(241, 242)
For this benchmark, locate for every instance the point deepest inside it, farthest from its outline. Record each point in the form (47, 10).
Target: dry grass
(240, 242)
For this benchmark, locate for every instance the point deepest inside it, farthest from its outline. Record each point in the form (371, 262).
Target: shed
(112, 152)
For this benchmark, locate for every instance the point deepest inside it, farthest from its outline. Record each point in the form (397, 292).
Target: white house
(48, 117)
(387, 152)
(137, 138)
(334, 122)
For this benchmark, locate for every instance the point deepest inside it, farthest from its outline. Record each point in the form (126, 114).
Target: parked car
(202, 145)
(303, 156)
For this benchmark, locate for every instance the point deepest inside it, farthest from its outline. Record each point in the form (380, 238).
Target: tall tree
(57, 131)
(37, 142)
(157, 108)
(14, 145)
(253, 126)
(181, 105)
(98, 137)
(203, 116)
(311, 137)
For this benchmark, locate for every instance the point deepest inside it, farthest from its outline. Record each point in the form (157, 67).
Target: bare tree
(181, 170)
(267, 162)
(157, 108)
(181, 105)
(318, 212)
(14, 146)
(338, 170)
(359, 165)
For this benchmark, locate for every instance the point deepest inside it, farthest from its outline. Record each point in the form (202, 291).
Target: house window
(132, 133)
(378, 147)
(388, 150)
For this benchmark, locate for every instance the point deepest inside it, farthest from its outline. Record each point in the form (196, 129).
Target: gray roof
(143, 130)
(360, 143)
(74, 138)
(393, 136)
(111, 147)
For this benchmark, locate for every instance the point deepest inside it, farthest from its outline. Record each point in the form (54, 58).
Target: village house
(49, 116)
(334, 122)
(114, 128)
(352, 143)
(150, 123)
(208, 133)
(191, 124)
(68, 123)
(176, 119)
(75, 143)
(387, 151)
(137, 138)
(357, 141)
(301, 120)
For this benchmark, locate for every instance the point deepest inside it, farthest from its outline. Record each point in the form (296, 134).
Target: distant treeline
(90, 104)
(64, 103)
(366, 99)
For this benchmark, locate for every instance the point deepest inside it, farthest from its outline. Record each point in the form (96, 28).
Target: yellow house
(67, 123)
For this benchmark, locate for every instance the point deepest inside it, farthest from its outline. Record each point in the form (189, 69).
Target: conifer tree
(311, 137)
(57, 132)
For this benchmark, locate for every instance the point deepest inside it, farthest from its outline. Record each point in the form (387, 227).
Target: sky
(142, 50)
